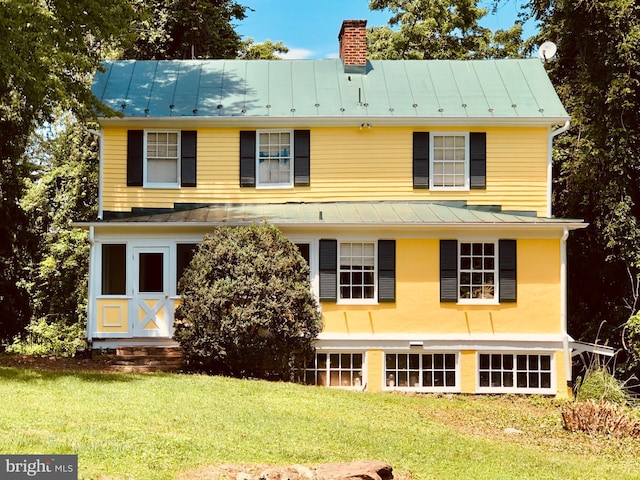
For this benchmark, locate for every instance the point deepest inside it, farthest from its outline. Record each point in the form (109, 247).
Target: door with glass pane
(153, 308)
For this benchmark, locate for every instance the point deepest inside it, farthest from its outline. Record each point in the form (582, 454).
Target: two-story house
(418, 191)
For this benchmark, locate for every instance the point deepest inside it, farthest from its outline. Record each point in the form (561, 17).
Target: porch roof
(385, 213)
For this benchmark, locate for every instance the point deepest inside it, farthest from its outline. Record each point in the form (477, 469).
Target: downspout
(552, 135)
(100, 135)
(563, 304)
(91, 288)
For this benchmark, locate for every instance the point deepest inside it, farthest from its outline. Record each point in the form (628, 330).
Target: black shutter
(188, 146)
(478, 160)
(135, 142)
(420, 159)
(301, 162)
(448, 270)
(507, 275)
(247, 159)
(386, 270)
(328, 270)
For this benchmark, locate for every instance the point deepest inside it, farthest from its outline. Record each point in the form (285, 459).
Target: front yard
(164, 426)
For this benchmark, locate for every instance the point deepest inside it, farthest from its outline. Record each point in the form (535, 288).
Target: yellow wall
(418, 308)
(112, 315)
(468, 371)
(375, 361)
(346, 164)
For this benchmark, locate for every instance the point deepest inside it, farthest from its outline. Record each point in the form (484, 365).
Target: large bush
(247, 307)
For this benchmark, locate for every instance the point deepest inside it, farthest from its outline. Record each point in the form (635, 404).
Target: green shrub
(600, 386)
(42, 338)
(247, 307)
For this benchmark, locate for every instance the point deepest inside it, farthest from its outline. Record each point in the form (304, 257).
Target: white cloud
(296, 53)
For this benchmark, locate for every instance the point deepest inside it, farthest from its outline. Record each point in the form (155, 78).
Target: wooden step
(147, 359)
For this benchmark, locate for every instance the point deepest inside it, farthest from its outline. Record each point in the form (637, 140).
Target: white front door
(152, 314)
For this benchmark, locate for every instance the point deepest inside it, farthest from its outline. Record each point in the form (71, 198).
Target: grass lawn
(163, 426)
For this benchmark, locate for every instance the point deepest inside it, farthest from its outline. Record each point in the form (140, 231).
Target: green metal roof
(430, 89)
(344, 214)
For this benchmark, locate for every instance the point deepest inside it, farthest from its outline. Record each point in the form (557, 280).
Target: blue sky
(310, 27)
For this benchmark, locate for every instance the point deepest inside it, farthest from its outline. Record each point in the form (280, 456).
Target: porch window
(526, 373)
(185, 252)
(114, 269)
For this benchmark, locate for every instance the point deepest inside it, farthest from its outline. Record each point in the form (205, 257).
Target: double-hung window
(477, 272)
(162, 155)
(357, 271)
(333, 370)
(274, 158)
(449, 161)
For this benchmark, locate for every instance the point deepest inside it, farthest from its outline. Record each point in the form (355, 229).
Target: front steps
(140, 359)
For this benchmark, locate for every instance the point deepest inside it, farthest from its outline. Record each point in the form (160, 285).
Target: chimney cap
(351, 24)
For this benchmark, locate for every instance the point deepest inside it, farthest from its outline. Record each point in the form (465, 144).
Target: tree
(247, 306)
(597, 162)
(249, 50)
(185, 29)
(439, 29)
(64, 192)
(48, 51)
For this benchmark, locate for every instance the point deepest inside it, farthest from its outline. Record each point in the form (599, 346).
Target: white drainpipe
(563, 302)
(552, 135)
(90, 293)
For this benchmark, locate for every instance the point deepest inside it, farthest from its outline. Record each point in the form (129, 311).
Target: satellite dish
(547, 51)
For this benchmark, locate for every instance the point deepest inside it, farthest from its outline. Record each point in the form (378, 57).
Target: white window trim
(359, 301)
(363, 370)
(496, 272)
(147, 184)
(515, 389)
(257, 160)
(467, 180)
(456, 389)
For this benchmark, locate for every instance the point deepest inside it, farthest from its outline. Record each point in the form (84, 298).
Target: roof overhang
(355, 121)
(425, 217)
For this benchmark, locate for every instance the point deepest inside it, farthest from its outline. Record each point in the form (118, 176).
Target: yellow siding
(112, 315)
(347, 164)
(468, 371)
(563, 390)
(418, 308)
(374, 370)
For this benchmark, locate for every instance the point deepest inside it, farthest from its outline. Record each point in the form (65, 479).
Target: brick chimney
(353, 46)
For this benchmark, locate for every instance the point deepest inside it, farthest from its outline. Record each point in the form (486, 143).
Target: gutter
(552, 135)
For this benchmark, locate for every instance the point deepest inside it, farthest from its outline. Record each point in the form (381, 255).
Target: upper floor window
(274, 158)
(162, 154)
(450, 161)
